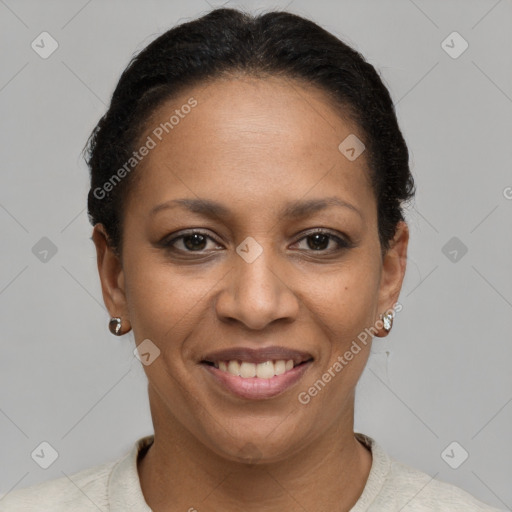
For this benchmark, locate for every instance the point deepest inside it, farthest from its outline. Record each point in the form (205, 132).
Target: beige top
(115, 487)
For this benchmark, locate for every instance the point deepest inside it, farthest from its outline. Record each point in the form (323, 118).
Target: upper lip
(258, 355)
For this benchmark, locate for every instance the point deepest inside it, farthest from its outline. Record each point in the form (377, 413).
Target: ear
(111, 274)
(393, 271)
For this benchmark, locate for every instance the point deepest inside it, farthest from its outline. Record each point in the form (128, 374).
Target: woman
(247, 186)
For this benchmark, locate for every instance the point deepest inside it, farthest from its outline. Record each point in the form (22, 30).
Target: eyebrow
(292, 209)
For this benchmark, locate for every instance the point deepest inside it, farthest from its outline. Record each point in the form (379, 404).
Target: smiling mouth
(264, 370)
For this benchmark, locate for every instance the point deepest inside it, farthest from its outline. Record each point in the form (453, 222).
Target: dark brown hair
(227, 41)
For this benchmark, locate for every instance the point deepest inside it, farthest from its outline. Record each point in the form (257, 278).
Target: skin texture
(252, 145)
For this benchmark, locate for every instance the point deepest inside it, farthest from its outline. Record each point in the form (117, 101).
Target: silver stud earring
(115, 325)
(387, 320)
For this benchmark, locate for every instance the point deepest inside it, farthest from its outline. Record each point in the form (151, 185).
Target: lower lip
(255, 388)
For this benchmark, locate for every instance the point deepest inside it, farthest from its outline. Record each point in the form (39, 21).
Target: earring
(115, 325)
(387, 320)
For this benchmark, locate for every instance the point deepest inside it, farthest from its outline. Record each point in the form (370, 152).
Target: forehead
(249, 139)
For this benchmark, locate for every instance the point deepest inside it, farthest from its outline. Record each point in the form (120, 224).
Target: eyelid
(166, 242)
(325, 231)
(342, 240)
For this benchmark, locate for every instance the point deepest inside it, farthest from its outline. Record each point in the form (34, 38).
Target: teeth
(279, 367)
(265, 370)
(234, 367)
(247, 370)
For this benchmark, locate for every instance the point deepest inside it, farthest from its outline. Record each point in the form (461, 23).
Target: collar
(124, 490)
(381, 465)
(125, 493)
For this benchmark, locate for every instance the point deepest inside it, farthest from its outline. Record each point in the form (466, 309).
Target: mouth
(257, 373)
(247, 370)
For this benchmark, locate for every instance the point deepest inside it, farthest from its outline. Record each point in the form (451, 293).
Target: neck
(180, 473)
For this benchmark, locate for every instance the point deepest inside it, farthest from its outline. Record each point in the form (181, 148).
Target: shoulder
(84, 490)
(393, 485)
(417, 491)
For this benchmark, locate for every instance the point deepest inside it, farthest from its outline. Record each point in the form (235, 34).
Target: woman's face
(256, 277)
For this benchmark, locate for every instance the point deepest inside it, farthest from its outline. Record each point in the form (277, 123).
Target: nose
(257, 293)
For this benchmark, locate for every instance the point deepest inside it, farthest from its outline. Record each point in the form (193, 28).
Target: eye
(191, 241)
(319, 240)
(196, 241)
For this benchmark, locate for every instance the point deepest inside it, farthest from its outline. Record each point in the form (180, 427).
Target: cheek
(161, 301)
(347, 299)
(343, 306)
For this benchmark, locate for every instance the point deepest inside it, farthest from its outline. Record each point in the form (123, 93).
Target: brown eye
(195, 241)
(319, 241)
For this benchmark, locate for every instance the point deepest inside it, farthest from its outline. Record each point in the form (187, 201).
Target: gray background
(443, 374)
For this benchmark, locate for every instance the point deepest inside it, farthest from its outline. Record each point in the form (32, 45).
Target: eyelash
(342, 244)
